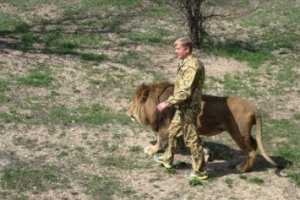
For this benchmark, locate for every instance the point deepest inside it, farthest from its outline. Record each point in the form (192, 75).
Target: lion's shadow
(223, 160)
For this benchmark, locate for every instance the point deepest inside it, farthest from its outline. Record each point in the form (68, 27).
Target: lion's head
(136, 108)
(143, 105)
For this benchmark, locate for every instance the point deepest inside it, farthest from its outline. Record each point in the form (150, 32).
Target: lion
(232, 114)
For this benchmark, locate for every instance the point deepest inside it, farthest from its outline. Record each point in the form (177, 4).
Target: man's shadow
(223, 160)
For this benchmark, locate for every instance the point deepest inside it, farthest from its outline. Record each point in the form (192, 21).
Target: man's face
(181, 51)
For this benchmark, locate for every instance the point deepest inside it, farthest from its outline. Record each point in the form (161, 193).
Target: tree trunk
(195, 21)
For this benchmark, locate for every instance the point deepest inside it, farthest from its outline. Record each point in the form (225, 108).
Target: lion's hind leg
(242, 136)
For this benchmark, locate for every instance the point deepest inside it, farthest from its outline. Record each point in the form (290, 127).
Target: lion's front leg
(151, 149)
(160, 145)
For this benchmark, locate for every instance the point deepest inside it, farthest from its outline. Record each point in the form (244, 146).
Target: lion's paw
(150, 150)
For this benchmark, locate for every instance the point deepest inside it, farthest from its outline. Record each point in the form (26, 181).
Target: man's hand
(161, 106)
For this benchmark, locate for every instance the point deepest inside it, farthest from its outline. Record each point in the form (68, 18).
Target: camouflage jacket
(188, 84)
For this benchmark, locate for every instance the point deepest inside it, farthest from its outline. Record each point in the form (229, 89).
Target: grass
(10, 117)
(297, 116)
(121, 162)
(229, 182)
(26, 5)
(29, 178)
(282, 128)
(295, 176)
(289, 150)
(287, 76)
(3, 85)
(36, 78)
(241, 51)
(3, 88)
(136, 149)
(108, 146)
(25, 142)
(130, 58)
(280, 11)
(106, 187)
(196, 182)
(8, 22)
(94, 115)
(241, 84)
(256, 180)
(93, 57)
(149, 37)
(3, 98)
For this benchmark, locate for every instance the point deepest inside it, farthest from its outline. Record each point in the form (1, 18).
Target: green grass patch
(275, 39)
(289, 150)
(297, 116)
(123, 3)
(71, 10)
(28, 178)
(134, 59)
(28, 40)
(36, 78)
(129, 58)
(240, 51)
(106, 187)
(84, 40)
(159, 10)
(10, 117)
(58, 39)
(26, 5)
(3, 85)
(122, 162)
(108, 146)
(3, 98)
(93, 57)
(94, 115)
(256, 180)
(229, 182)
(8, 22)
(241, 84)
(291, 154)
(283, 128)
(280, 12)
(146, 37)
(57, 42)
(7, 195)
(287, 76)
(295, 176)
(196, 182)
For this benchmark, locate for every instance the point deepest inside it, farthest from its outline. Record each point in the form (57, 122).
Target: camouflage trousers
(184, 124)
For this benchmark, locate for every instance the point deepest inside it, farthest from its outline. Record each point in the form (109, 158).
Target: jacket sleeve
(184, 86)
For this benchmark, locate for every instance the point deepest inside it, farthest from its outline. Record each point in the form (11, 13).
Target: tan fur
(232, 114)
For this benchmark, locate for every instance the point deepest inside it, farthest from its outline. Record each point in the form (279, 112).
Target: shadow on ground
(223, 160)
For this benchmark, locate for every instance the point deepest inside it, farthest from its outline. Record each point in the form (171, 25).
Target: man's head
(183, 47)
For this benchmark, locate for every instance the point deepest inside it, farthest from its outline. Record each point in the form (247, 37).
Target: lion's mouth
(132, 119)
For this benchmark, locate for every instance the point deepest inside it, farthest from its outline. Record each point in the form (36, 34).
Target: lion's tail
(261, 148)
(259, 140)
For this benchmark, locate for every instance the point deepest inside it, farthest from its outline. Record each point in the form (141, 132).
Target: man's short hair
(185, 42)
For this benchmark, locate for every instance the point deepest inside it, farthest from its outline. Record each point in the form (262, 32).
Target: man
(187, 101)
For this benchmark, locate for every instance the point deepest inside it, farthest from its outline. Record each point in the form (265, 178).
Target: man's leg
(193, 141)
(175, 127)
